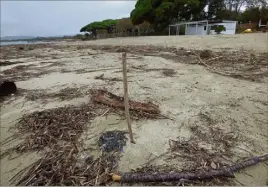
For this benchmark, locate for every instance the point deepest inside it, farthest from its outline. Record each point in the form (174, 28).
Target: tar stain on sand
(112, 141)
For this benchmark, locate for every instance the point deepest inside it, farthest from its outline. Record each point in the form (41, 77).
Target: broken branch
(191, 175)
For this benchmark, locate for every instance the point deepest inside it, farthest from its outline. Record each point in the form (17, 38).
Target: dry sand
(258, 42)
(237, 106)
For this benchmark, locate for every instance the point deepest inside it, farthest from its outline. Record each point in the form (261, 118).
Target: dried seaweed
(7, 63)
(59, 167)
(47, 127)
(209, 146)
(55, 133)
(101, 77)
(63, 94)
(218, 62)
(169, 72)
(236, 64)
(15, 69)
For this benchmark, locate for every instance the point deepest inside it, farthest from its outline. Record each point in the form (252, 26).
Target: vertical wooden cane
(126, 103)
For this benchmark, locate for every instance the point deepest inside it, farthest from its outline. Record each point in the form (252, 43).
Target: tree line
(114, 25)
(158, 14)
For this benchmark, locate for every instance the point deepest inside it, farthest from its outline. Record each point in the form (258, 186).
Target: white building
(204, 27)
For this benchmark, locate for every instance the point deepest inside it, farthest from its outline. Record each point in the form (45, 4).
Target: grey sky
(48, 18)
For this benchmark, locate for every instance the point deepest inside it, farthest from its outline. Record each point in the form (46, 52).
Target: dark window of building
(205, 28)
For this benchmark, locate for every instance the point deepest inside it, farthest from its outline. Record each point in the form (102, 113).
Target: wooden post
(124, 63)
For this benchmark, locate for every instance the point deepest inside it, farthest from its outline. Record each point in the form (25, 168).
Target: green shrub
(219, 28)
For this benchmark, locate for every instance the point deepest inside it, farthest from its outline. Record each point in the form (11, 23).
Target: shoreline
(229, 111)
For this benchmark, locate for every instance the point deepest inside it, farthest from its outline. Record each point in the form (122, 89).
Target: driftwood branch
(148, 109)
(213, 70)
(194, 175)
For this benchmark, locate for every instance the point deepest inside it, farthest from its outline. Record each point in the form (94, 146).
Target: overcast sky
(50, 18)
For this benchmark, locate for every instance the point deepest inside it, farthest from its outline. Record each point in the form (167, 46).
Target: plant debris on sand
(44, 96)
(169, 72)
(205, 54)
(16, 69)
(147, 110)
(101, 77)
(209, 146)
(241, 64)
(55, 133)
(63, 94)
(154, 170)
(59, 167)
(7, 63)
(195, 159)
(47, 127)
(24, 72)
(201, 174)
(202, 166)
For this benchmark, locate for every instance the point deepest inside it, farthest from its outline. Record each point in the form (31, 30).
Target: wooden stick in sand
(124, 63)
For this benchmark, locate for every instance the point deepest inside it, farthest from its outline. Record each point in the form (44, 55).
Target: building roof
(203, 22)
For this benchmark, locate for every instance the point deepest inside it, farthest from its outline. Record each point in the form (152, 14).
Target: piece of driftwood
(191, 175)
(107, 98)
